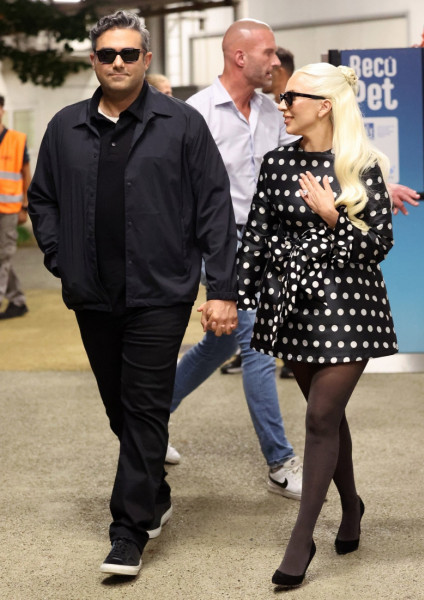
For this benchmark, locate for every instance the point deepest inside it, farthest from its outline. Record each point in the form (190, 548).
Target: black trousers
(133, 356)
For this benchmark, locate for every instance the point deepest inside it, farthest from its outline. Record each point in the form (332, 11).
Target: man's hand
(219, 316)
(401, 194)
(23, 216)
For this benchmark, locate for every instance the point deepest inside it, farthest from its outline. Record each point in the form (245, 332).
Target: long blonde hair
(354, 154)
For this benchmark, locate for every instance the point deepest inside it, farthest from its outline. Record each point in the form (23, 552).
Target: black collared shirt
(110, 202)
(177, 207)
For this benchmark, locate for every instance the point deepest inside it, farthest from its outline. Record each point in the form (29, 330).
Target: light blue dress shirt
(241, 142)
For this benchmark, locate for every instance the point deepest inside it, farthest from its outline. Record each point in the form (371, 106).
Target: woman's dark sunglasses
(288, 97)
(107, 55)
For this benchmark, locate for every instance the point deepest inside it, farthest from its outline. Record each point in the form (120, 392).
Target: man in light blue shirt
(245, 125)
(242, 141)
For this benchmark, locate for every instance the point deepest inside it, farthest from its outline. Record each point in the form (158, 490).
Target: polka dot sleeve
(351, 244)
(254, 249)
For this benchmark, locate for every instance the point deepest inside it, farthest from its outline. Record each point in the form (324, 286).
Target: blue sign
(404, 275)
(391, 84)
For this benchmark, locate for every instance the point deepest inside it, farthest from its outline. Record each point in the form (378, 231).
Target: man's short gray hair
(120, 20)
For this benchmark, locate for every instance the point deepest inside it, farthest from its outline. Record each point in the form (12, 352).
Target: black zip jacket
(177, 207)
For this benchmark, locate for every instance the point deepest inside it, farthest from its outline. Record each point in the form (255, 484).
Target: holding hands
(219, 316)
(319, 198)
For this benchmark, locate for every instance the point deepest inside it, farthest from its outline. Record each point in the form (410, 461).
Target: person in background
(15, 177)
(319, 225)
(401, 194)
(280, 74)
(112, 225)
(245, 125)
(160, 82)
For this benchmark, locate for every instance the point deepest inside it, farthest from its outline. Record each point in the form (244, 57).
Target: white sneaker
(287, 480)
(172, 457)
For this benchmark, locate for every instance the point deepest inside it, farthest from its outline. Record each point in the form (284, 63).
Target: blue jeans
(258, 381)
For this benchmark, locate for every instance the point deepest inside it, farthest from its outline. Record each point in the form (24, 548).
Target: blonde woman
(319, 224)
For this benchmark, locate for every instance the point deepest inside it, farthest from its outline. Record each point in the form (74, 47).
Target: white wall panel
(309, 43)
(285, 13)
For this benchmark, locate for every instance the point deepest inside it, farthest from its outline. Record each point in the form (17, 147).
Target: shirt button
(113, 144)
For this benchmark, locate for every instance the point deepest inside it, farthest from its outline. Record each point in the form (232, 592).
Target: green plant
(35, 36)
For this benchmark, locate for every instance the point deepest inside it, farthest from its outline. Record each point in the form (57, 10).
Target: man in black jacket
(129, 193)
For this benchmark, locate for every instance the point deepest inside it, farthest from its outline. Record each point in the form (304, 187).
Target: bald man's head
(249, 52)
(240, 33)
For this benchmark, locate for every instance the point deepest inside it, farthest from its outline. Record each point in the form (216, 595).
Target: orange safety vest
(12, 150)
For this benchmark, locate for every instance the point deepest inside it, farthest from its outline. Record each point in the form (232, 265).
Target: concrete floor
(227, 534)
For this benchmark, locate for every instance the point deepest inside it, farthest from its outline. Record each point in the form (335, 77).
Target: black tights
(328, 455)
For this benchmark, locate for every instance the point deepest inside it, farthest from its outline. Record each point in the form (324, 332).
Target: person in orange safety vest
(15, 177)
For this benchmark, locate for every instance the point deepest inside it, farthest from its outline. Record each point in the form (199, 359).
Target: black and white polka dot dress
(322, 294)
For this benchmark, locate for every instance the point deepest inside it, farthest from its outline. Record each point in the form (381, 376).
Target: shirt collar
(221, 95)
(136, 109)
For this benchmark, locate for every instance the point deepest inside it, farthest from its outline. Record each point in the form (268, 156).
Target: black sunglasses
(107, 55)
(288, 97)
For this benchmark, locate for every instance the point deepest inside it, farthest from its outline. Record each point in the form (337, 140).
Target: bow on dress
(300, 263)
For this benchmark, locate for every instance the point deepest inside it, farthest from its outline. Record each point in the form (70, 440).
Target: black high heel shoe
(290, 581)
(345, 547)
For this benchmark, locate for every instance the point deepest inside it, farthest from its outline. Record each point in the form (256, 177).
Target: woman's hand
(319, 198)
(219, 316)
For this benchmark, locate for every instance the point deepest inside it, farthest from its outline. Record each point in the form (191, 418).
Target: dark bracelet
(25, 208)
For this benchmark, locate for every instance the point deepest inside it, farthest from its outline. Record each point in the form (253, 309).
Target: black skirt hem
(342, 359)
